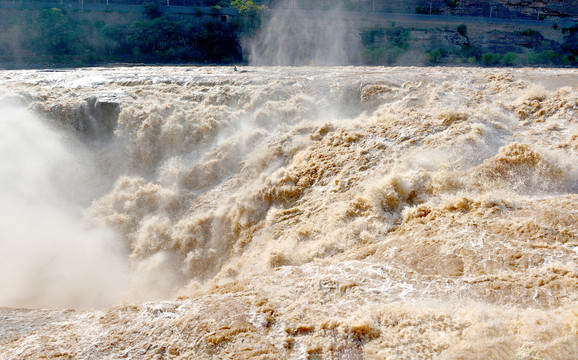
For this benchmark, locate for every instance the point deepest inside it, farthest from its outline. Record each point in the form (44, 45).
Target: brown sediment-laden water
(289, 213)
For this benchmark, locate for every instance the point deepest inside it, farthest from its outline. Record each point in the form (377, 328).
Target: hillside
(489, 33)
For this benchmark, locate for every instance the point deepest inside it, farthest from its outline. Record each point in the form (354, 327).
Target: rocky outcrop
(509, 9)
(505, 41)
(505, 9)
(541, 9)
(94, 117)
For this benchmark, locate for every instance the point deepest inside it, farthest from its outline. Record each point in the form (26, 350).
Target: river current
(289, 213)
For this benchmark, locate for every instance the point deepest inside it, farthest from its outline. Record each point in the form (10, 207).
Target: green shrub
(467, 51)
(530, 32)
(394, 55)
(462, 30)
(543, 57)
(489, 59)
(509, 58)
(374, 55)
(436, 55)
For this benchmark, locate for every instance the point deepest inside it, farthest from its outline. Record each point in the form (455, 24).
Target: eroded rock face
(505, 41)
(93, 117)
(102, 114)
(540, 9)
(505, 9)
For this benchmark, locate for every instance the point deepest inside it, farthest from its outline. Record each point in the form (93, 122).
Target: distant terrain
(402, 32)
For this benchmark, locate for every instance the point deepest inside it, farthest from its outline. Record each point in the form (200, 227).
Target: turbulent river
(289, 213)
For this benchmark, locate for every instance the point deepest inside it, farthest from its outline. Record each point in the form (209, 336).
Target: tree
(152, 10)
(59, 35)
(246, 7)
(463, 31)
(250, 13)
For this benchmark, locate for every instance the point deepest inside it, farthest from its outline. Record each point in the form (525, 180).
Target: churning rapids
(289, 213)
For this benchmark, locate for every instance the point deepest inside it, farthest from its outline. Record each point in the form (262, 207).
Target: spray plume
(297, 37)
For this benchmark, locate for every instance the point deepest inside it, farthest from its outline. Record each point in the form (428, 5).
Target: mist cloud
(298, 37)
(48, 257)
